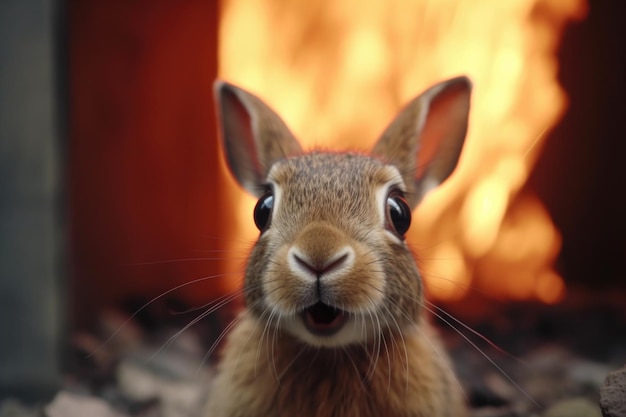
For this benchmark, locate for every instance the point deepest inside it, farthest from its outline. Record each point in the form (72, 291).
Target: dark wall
(32, 274)
(581, 175)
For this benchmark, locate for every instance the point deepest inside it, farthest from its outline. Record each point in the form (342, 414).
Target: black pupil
(399, 214)
(263, 211)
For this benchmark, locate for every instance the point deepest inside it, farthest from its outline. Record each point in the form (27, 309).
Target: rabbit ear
(425, 140)
(253, 135)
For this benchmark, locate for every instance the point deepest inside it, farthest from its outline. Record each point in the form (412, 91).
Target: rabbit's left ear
(253, 135)
(425, 140)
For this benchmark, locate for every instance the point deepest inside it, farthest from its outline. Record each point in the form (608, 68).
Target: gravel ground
(148, 369)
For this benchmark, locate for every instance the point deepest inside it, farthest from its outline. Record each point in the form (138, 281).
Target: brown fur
(274, 375)
(330, 241)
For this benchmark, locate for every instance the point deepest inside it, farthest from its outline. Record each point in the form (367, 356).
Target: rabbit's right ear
(426, 138)
(253, 135)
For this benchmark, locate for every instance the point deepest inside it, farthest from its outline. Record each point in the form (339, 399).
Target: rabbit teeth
(324, 320)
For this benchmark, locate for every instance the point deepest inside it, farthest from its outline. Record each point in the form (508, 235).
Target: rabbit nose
(319, 269)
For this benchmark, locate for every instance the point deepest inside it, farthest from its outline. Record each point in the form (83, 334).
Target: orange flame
(337, 72)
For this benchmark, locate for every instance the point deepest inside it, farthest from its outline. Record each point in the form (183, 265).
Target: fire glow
(337, 72)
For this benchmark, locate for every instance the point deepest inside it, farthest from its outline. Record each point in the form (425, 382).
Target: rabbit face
(330, 265)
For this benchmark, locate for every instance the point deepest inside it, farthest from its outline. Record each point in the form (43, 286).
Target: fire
(337, 72)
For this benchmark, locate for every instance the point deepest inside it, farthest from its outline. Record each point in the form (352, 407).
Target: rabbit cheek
(363, 289)
(254, 276)
(405, 287)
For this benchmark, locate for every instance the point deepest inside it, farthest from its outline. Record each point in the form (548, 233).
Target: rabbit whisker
(234, 294)
(295, 358)
(406, 354)
(265, 312)
(169, 261)
(145, 305)
(471, 288)
(217, 305)
(217, 341)
(479, 350)
(477, 333)
(356, 369)
(272, 352)
(256, 325)
(382, 335)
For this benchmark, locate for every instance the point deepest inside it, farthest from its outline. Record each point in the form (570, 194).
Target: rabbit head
(331, 265)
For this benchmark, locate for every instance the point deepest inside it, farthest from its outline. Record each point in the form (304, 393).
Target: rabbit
(333, 323)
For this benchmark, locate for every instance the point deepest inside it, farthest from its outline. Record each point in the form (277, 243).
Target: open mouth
(324, 320)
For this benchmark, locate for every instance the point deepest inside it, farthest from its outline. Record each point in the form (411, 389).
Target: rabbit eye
(398, 214)
(263, 211)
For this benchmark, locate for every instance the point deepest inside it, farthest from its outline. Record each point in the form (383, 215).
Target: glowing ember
(337, 72)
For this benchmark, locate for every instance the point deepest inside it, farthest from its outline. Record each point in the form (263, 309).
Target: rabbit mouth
(324, 320)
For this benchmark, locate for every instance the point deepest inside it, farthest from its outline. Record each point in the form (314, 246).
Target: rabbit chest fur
(274, 375)
(334, 322)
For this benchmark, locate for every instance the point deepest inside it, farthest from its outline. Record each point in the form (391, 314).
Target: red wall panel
(143, 163)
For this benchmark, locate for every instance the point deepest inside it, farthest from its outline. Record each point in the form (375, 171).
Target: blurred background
(113, 191)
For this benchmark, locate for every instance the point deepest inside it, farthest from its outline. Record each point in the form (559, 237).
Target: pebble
(67, 404)
(573, 407)
(613, 394)
(177, 397)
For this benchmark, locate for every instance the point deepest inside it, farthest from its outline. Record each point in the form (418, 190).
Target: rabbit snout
(323, 264)
(320, 281)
